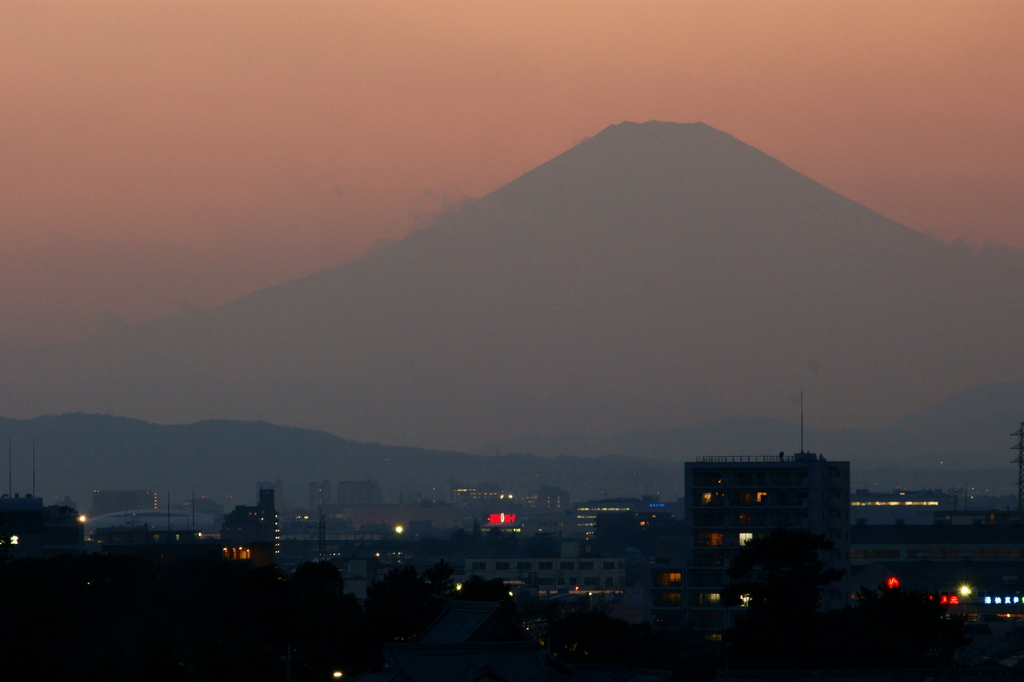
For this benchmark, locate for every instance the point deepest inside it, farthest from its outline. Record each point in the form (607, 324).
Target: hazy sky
(161, 154)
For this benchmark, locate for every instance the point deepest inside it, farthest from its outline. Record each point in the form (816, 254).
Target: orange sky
(158, 154)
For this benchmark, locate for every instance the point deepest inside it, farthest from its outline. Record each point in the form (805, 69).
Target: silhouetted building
(252, 532)
(568, 572)
(38, 531)
(909, 506)
(586, 513)
(618, 531)
(547, 497)
(966, 587)
(938, 541)
(357, 493)
(319, 495)
(732, 500)
(156, 545)
(113, 501)
(483, 642)
(278, 487)
(478, 495)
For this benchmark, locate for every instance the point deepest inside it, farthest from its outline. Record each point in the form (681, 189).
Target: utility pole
(1019, 461)
(321, 537)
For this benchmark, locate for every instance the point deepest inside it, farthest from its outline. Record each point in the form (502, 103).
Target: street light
(399, 530)
(337, 674)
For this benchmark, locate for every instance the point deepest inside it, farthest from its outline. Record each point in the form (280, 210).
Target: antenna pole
(33, 466)
(1019, 461)
(10, 476)
(801, 421)
(321, 537)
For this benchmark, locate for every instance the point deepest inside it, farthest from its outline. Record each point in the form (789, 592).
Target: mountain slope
(967, 432)
(655, 275)
(224, 460)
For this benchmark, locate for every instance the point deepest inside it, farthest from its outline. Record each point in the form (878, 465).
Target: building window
(591, 582)
(545, 581)
(745, 538)
(711, 499)
(667, 599)
(709, 539)
(709, 559)
(609, 565)
(524, 566)
(751, 499)
(545, 565)
(706, 579)
(705, 599)
(567, 565)
(702, 478)
(668, 579)
(586, 565)
(479, 566)
(501, 565)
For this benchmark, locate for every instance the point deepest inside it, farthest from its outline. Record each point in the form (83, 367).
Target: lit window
(745, 538)
(667, 579)
(710, 539)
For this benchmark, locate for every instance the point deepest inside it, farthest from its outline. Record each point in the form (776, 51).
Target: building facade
(569, 572)
(113, 501)
(731, 500)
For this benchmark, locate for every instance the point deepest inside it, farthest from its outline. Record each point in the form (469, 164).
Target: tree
(478, 589)
(779, 577)
(895, 628)
(402, 604)
(590, 637)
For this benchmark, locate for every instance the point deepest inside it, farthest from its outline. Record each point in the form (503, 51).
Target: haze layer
(655, 275)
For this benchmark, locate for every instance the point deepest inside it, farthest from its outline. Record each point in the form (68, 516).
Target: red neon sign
(892, 583)
(502, 518)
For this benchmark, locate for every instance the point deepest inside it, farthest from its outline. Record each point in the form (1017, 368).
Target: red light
(954, 599)
(502, 518)
(944, 599)
(892, 583)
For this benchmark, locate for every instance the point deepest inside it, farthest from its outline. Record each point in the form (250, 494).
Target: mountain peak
(654, 276)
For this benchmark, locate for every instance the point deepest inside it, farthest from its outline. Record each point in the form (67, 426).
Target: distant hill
(968, 430)
(224, 460)
(656, 275)
(963, 440)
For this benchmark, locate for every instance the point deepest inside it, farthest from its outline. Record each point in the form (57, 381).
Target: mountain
(962, 440)
(656, 275)
(224, 460)
(968, 430)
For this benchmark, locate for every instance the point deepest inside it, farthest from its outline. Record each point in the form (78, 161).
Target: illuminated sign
(892, 583)
(656, 505)
(502, 518)
(1002, 600)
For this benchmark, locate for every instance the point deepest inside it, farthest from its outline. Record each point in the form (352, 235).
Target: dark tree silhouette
(780, 577)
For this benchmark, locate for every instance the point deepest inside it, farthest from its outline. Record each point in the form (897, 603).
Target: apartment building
(731, 500)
